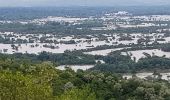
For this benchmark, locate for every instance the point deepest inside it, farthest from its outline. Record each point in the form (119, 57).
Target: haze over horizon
(34, 3)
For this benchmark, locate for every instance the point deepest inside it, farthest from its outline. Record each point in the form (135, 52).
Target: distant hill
(22, 13)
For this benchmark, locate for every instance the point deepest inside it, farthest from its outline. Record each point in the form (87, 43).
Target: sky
(29, 3)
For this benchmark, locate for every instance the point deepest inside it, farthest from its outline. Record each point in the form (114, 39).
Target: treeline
(166, 47)
(68, 28)
(67, 58)
(117, 63)
(51, 27)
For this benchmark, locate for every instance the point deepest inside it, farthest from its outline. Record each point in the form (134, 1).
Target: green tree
(78, 94)
(16, 86)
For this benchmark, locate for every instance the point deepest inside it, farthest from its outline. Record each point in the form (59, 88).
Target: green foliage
(30, 81)
(153, 62)
(67, 58)
(16, 86)
(78, 94)
(123, 64)
(166, 47)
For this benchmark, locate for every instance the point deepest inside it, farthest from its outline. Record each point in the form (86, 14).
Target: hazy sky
(82, 2)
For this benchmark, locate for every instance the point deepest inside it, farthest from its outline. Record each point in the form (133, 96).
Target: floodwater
(80, 43)
(165, 76)
(75, 67)
(103, 52)
(139, 53)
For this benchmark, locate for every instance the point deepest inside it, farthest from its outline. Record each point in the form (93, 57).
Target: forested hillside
(42, 81)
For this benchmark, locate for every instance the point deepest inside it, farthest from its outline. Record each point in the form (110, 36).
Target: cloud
(81, 2)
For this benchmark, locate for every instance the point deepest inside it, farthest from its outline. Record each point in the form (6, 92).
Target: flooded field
(11, 42)
(140, 53)
(103, 52)
(75, 67)
(164, 76)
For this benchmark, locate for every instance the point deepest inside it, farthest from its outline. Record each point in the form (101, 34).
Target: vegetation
(114, 62)
(166, 47)
(67, 58)
(22, 81)
(117, 63)
(35, 77)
